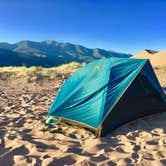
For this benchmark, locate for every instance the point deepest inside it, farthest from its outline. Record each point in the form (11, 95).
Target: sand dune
(157, 58)
(26, 141)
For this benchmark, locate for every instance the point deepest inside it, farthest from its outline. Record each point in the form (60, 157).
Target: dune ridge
(156, 58)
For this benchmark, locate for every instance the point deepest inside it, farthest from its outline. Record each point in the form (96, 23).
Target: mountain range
(50, 53)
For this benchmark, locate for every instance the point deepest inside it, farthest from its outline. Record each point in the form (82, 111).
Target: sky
(121, 25)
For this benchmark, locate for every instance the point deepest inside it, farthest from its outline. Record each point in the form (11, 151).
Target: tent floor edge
(98, 132)
(75, 123)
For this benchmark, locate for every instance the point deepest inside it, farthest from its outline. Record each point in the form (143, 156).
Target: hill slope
(155, 57)
(50, 53)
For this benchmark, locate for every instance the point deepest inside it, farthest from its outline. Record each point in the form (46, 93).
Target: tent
(107, 93)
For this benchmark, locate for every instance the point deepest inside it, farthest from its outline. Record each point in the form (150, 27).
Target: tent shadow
(112, 142)
(147, 124)
(132, 130)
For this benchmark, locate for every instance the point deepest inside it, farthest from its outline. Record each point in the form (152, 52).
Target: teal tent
(107, 93)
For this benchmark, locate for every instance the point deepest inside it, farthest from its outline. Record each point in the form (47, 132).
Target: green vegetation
(37, 73)
(66, 68)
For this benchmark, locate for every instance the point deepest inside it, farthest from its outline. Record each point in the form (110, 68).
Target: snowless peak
(151, 51)
(49, 41)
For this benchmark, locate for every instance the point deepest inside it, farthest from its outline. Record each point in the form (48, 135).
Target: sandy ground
(25, 140)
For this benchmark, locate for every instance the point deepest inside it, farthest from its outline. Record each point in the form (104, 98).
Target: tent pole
(98, 131)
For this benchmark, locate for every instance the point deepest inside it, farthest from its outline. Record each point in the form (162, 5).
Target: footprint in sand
(152, 144)
(8, 157)
(67, 160)
(161, 154)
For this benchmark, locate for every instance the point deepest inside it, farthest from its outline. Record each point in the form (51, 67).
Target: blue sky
(122, 25)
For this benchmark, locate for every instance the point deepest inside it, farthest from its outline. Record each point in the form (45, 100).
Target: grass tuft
(62, 68)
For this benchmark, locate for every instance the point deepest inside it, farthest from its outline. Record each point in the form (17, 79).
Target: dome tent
(107, 93)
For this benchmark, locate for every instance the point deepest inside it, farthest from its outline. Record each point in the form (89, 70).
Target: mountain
(12, 58)
(50, 53)
(157, 58)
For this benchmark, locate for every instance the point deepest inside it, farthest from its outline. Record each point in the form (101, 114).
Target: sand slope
(26, 141)
(157, 59)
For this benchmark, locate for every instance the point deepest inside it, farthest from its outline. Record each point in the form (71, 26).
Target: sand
(26, 141)
(157, 59)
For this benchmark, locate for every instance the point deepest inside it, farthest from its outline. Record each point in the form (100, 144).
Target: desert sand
(26, 141)
(156, 58)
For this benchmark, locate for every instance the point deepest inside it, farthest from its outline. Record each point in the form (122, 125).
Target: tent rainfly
(107, 93)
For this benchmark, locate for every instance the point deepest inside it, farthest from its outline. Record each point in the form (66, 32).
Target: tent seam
(123, 93)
